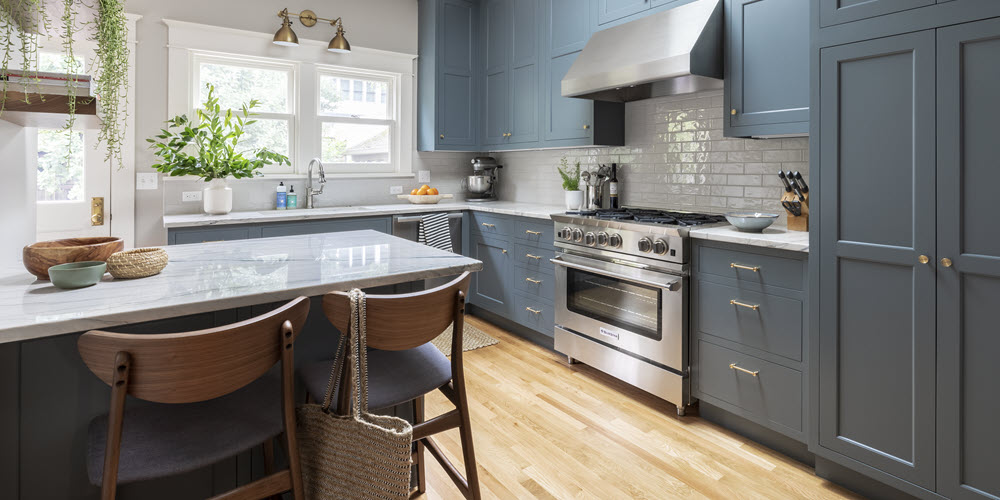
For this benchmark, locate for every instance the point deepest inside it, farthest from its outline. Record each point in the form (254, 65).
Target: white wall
(17, 190)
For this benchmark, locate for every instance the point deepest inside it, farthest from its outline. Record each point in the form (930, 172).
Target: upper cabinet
(448, 85)
(833, 12)
(510, 30)
(613, 10)
(767, 67)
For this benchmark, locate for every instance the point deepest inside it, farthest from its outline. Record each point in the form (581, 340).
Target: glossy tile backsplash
(675, 157)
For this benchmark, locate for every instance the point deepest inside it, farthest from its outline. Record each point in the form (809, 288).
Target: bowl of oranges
(424, 195)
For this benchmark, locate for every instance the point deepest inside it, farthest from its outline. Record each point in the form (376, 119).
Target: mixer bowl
(479, 184)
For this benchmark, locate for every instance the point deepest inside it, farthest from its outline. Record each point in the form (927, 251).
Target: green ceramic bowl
(77, 274)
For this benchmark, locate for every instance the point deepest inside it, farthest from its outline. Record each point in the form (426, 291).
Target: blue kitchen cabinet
(767, 67)
(184, 235)
(510, 102)
(612, 10)
(181, 236)
(490, 287)
(448, 85)
(496, 32)
(833, 12)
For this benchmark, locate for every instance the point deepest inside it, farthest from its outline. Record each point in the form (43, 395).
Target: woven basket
(137, 263)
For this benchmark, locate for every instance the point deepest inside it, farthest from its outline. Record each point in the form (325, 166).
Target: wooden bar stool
(216, 400)
(403, 366)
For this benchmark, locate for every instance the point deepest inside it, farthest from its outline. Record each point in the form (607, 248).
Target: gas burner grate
(650, 216)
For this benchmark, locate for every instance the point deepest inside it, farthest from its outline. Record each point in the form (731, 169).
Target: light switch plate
(145, 180)
(191, 196)
(395, 189)
(424, 176)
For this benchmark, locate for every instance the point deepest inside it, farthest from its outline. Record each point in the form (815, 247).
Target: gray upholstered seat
(164, 439)
(394, 377)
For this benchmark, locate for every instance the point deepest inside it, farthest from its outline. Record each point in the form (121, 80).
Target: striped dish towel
(435, 231)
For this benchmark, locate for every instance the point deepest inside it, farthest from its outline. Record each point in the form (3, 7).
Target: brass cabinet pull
(946, 262)
(586, 127)
(489, 225)
(923, 259)
(732, 111)
(529, 280)
(528, 255)
(733, 265)
(744, 370)
(735, 302)
(536, 233)
(441, 136)
(533, 311)
(504, 250)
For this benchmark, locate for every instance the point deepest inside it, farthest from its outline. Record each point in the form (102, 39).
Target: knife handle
(784, 180)
(801, 182)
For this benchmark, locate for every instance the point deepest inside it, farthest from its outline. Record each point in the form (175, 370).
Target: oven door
(634, 310)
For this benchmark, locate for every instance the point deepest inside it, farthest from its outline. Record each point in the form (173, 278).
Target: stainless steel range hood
(672, 52)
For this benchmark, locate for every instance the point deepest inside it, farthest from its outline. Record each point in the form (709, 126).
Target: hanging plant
(111, 76)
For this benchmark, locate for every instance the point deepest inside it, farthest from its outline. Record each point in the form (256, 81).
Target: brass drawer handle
(528, 255)
(536, 233)
(529, 280)
(504, 250)
(489, 225)
(735, 302)
(533, 311)
(733, 265)
(744, 370)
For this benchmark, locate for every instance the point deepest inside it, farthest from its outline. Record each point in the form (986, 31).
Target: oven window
(620, 303)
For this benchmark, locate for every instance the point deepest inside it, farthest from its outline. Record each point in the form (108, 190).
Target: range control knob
(645, 245)
(602, 239)
(577, 235)
(615, 241)
(590, 239)
(660, 247)
(566, 233)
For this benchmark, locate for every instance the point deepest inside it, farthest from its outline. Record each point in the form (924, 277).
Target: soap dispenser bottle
(281, 201)
(293, 199)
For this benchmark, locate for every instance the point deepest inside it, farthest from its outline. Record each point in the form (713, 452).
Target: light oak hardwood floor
(545, 429)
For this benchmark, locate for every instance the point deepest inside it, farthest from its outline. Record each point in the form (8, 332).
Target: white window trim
(310, 57)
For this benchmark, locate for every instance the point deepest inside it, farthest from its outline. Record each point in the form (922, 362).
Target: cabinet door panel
(497, 106)
(567, 26)
(833, 12)
(524, 72)
(565, 117)
(489, 286)
(611, 10)
(496, 103)
(456, 83)
(877, 306)
(968, 343)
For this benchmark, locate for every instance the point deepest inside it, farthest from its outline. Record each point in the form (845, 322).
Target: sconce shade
(339, 44)
(285, 36)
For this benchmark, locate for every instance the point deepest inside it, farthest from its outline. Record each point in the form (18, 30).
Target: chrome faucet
(310, 193)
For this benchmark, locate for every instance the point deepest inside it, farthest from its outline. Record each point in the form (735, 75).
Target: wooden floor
(544, 429)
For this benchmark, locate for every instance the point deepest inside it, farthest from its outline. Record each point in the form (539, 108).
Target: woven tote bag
(355, 456)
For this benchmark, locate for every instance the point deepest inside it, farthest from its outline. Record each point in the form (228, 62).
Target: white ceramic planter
(217, 197)
(574, 199)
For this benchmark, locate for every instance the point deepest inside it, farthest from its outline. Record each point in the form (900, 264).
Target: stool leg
(418, 417)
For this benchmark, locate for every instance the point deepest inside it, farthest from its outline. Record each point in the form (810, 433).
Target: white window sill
(329, 175)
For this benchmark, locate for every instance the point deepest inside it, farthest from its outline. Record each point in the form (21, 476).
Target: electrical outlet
(191, 196)
(424, 176)
(395, 189)
(145, 180)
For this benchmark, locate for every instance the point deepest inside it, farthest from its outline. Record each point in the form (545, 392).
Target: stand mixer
(482, 184)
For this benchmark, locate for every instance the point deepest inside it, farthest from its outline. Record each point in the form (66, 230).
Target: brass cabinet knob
(441, 136)
(732, 111)
(586, 127)
(946, 262)
(923, 259)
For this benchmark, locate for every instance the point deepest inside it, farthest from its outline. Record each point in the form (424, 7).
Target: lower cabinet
(490, 287)
(185, 235)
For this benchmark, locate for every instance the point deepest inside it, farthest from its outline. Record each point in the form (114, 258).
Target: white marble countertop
(535, 210)
(221, 275)
(772, 237)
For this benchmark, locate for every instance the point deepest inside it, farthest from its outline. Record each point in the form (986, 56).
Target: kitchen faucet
(310, 193)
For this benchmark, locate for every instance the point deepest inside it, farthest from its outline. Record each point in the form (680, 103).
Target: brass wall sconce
(286, 37)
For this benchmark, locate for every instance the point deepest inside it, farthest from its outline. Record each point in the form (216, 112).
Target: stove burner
(649, 216)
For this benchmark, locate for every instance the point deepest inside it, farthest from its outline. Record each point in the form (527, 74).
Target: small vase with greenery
(571, 184)
(209, 149)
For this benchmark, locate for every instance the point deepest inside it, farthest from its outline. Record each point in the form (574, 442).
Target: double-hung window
(238, 80)
(358, 120)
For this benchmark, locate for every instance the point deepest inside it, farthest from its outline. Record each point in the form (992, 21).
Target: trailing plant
(111, 76)
(215, 139)
(570, 176)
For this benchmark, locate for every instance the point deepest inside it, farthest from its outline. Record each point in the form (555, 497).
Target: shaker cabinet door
(833, 12)
(456, 87)
(968, 339)
(496, 103)
(877, 338)
(524, 71)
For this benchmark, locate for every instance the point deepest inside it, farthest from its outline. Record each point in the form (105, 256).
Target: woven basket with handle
(137, 263)
(356, 456)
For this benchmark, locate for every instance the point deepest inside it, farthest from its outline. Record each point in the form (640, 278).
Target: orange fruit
(422, 191)
(432, 191)
(414, 190)
(425, 186)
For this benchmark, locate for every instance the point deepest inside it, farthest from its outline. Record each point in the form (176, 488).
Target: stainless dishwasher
(407, 226)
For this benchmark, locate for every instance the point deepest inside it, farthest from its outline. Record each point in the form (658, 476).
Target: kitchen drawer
(539, 315)
(770, 270)
(524, 281)
(492, 224)
(185, 236)
(774, 395)
(525, 255)
(535, 231)
(775, 326)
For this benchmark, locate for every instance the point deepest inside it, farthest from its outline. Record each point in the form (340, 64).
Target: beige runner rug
(472, 338)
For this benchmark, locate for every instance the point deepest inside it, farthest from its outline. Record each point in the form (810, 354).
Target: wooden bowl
(39, 257)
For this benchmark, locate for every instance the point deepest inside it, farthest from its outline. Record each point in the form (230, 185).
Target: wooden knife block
(797, 222)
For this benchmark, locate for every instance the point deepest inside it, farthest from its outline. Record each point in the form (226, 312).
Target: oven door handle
(672, 286)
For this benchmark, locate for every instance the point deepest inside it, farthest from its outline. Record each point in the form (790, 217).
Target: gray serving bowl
(77, 274)
(751, 222)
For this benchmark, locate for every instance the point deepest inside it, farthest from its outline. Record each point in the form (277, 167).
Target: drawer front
(774, 394)
(535, 231)
(763, 269)
(539, 315)
(492, 224)
(185, 236)
(380, 224)
(534, 258)
(539, 284)
(774, 326)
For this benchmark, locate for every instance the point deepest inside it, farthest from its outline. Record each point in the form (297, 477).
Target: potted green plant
(209, 149)
(571, 184)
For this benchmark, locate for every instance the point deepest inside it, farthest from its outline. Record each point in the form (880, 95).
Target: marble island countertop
(535, 210)
(221, 275)
(778, 238)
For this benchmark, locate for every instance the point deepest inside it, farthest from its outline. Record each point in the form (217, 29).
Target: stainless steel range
(622, 295)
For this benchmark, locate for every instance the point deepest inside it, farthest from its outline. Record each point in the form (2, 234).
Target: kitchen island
(48, 396)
